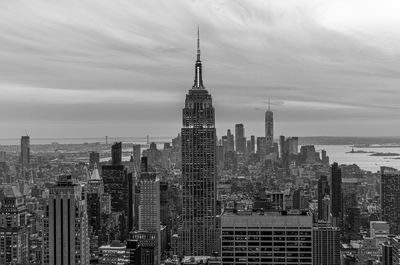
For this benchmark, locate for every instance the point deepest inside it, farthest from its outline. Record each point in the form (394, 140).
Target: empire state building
(198, 233)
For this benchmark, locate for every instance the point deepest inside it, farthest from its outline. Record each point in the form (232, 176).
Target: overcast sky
(89, 68)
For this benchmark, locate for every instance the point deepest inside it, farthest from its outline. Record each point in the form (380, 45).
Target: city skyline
(90, 71)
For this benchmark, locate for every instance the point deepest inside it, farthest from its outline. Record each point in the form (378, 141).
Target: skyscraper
(25, 153)
(253, 144)
(14, 232)
(323, 189)
(149, 206)
(119, 184)
(231, 140)
(269, 129)
(326, 244)
(94, 191)
(240, 140)
(390, 197)
(270, 238)
(136, 156)
(116, 153)
(94, 159)
(336, 193)
(68, 224)
(198, 232)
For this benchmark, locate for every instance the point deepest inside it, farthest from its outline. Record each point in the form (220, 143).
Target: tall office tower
(323, 190)
(116, 153)
(231, 141)
(248, 146)
(199, 223)
(14, 232)
(326, 244)
(390, 197)
(281, 146)
(387, 254)
(220, 156)
(349, 207)
(293, 145)
(269, 238)
(3, 156)
(94, 191)
(324, 157)
(225, 144)
(261, 147)
(253, 144)
(269, 129)
(25, 153)
(94, 159)
(307, 153)
(149, 206)
(120, 185)
(336, 194)
(137, 156)
(68, 224)
(240, 140)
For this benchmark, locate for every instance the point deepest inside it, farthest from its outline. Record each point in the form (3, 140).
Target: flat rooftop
(266, 219)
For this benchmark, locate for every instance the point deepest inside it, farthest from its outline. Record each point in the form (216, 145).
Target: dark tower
(198, 232)
(336, 192)
(116, 153)
(323, 189)
(269, 128)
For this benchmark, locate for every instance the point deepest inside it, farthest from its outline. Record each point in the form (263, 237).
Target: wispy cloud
(327, 63)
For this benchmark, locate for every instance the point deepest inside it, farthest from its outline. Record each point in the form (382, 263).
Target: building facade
(266, 238)
(390, 197)
(269, 129)
(67, 224)
(326, 244)
(14, 232)
(198, 233)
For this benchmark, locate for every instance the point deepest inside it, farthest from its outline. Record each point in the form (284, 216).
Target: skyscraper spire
(269, 103)
(198, 80)
(198, 43)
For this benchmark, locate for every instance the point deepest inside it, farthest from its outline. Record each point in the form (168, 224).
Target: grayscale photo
(199, 132)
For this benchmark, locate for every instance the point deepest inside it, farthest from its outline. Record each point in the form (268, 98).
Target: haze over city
(91, 68)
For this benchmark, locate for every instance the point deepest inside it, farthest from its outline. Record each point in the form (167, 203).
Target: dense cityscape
(200, 198)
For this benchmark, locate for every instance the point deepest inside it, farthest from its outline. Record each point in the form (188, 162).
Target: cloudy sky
(89, 68)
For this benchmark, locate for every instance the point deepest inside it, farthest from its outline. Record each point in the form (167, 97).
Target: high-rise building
(261, 147)
(14, 232)
(95, 190)
(390, 197)
(137, 156)
(387, 254)
(120, 185)
(336, 193)
(326, 244)
(269, 129)
(68, 224)
(3, 156)
(94, 159)
(323, 190)
(268, 238)
(198, 233)
(231, 141)
(116, 153)
(25, 153)
(253, 144)
(281, 146)
(240, 140)
(149, 206)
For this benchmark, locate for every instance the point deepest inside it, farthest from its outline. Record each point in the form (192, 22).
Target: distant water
(337, 153)
(139, 140)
